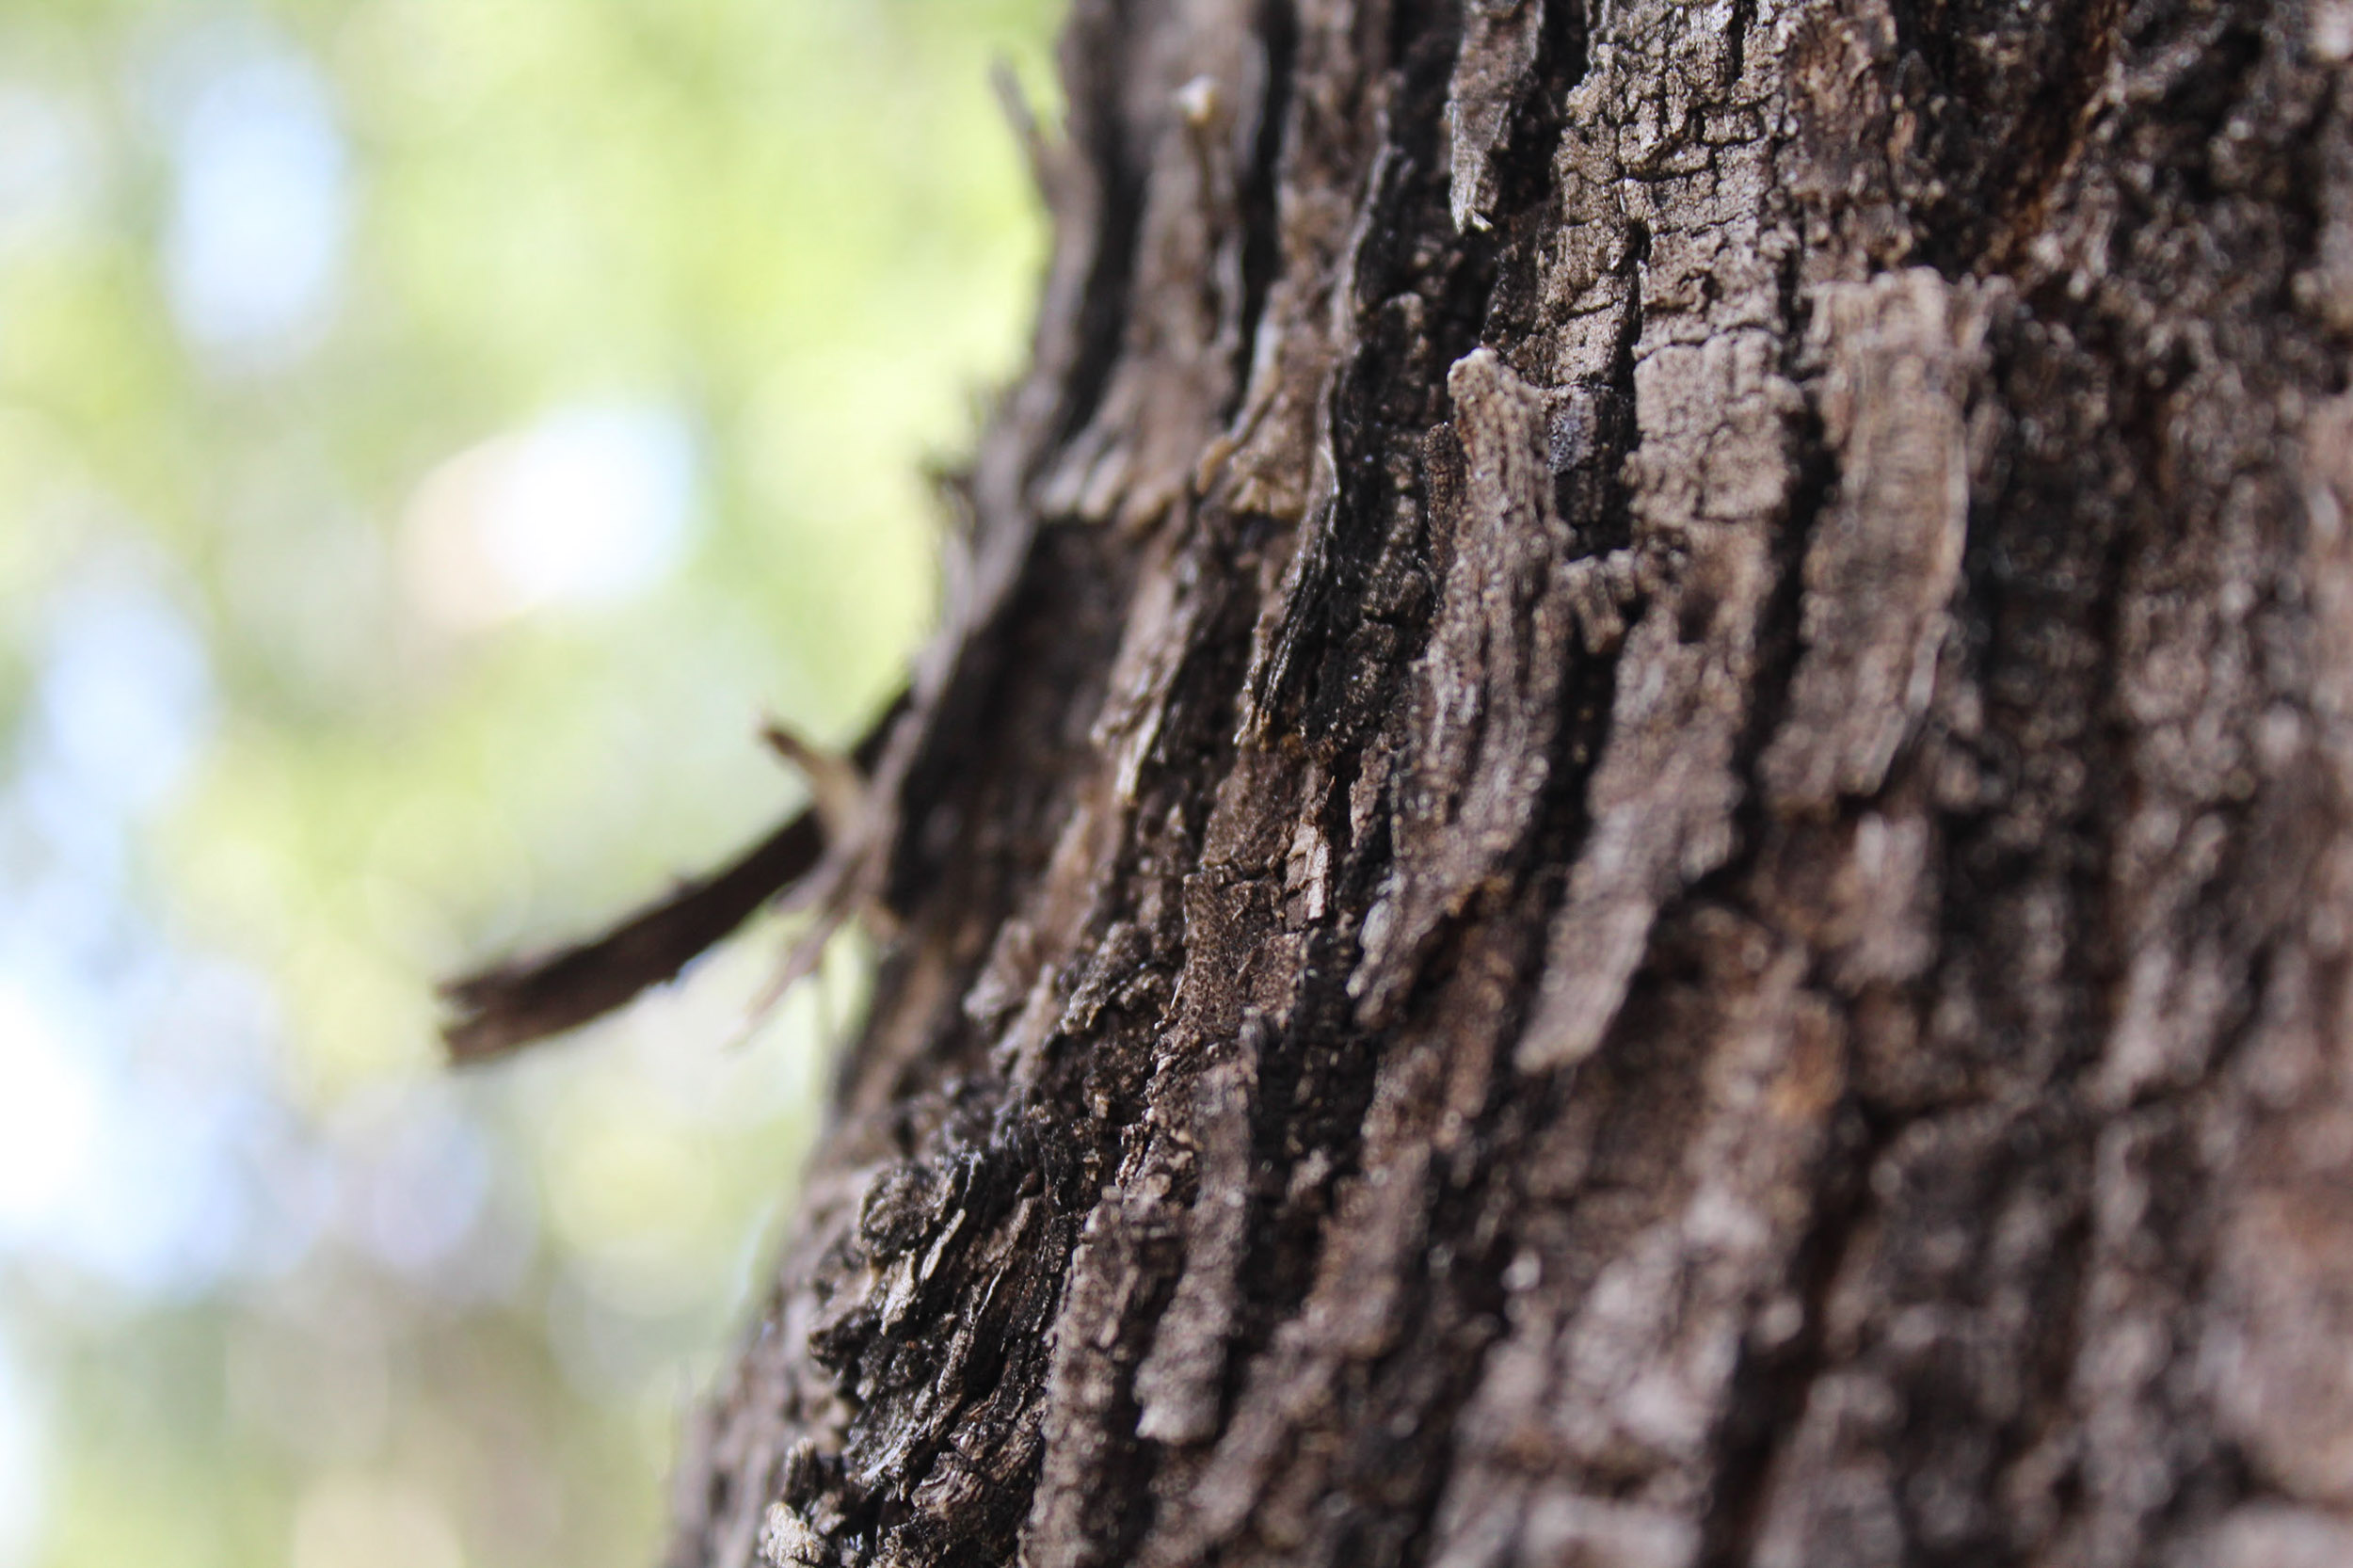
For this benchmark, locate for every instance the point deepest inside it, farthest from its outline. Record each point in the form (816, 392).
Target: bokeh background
(433, 435)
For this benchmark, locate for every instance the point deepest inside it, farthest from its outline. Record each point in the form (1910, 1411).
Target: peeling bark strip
(1635, 844)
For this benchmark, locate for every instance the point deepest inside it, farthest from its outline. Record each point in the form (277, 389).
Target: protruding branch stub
(504, 1008)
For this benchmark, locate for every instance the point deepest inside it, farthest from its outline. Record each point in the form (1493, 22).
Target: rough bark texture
(1634, 845)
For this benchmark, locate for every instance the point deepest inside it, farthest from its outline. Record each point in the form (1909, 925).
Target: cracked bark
(1635, 847)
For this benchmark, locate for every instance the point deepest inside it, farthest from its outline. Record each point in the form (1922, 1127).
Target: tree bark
(1631, 846)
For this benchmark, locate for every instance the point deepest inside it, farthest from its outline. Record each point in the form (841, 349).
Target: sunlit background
(433, 435)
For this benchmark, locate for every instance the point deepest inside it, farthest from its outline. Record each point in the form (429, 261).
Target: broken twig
(499, 1010)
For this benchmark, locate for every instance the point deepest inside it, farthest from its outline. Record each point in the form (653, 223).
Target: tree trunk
(1631, 846)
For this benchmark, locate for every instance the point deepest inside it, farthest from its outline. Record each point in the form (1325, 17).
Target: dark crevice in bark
(2063, 1341)
(1064, 618)
(1394, 390)
(1316, 1074)
(1779, 638)
(1995, 139)
(2054, 558)
(2051, 1151)
(1131, 1464)
(1525, 188)
(1262, 186)
(1482, 1203)
(2041, 551)
(1419, 294)
(1423, 37)
(2226, 45)
(1314, 1110)
(2099, 944)
(1742, 21)
(1196, 747)
(1770, 1388)
(1470, 1212)
(1454, 275)
(1527, 198)
(1098, 123)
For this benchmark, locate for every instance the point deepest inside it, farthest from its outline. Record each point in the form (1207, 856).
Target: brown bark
(1632, 844)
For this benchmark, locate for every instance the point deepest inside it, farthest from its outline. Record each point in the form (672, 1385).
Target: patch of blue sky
(261, 207)
(124, 700)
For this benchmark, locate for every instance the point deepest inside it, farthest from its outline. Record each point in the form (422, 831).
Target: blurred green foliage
(433, 433)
